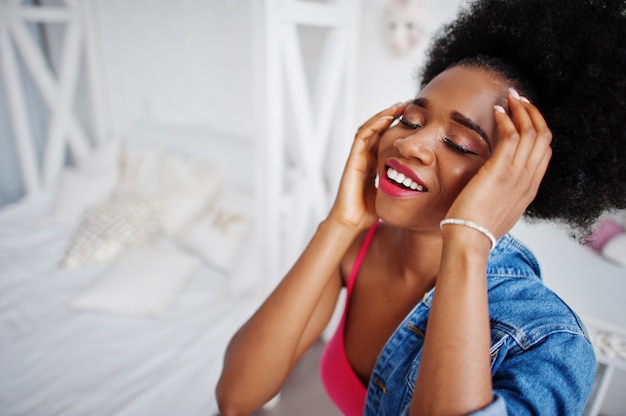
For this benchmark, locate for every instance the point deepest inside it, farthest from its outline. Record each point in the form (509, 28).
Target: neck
(416, 254)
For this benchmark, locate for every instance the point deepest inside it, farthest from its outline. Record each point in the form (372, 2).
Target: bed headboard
(60, 67)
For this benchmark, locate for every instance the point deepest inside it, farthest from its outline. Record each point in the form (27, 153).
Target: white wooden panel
(95, 77)
(272, 168)
(315, 14)
(15, 98)
(310, 144)
(45, 81)
(68, 78)
(58, 90)
(315, 111)
(44, 14)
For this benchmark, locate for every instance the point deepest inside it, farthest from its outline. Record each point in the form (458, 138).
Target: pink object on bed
(605, 230)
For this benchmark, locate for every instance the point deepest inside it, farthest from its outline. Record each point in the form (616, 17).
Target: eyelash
(408, 123)
(456, 147)
(445, 140)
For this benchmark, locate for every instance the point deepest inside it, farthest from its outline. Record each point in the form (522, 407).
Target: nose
(419, 145)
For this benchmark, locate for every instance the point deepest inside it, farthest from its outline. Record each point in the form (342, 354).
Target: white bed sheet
(58, 361)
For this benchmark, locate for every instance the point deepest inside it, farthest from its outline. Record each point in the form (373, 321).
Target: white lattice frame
(58, 91)
(286, 76)
(606, 364)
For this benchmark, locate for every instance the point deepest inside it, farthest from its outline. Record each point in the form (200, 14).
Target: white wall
(193, 61)
(386, 78)
(180, 62)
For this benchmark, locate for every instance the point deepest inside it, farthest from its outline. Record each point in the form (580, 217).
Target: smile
(398, 181)
(404, 181)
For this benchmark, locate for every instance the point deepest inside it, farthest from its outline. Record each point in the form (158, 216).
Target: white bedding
(57, 360)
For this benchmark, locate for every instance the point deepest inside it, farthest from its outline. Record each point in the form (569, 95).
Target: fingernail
(387, 118)
(499, 109)
(514, 93)
(398, 104)
(524, 100)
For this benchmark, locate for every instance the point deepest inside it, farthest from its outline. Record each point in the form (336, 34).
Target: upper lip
(405, 170)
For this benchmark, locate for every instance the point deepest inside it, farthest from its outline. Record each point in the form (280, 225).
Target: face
(438, 144)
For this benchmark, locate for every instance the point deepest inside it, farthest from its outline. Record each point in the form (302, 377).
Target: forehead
(470, 91)
(466, 88)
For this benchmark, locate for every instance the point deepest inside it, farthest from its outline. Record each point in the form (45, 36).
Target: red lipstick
(399, 181)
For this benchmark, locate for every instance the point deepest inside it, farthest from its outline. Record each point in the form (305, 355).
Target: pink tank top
(341, 383)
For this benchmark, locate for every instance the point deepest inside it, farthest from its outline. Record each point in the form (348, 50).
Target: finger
(363, 153)
(371, 132)
(542, 167)
(542, 142)
(525, 127)
(394, 110)
(368, 137)
(509, 136)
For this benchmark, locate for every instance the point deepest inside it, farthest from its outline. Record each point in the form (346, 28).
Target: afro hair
(569, 58)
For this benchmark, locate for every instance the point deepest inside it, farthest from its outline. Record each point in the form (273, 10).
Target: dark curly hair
(569, 58)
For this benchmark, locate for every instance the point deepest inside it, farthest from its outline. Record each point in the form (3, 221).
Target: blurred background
(228, 67)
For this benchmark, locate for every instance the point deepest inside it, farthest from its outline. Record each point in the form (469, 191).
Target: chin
(393, 213)
(404, 214)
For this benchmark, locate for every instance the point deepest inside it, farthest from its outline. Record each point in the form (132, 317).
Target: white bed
(82, 341)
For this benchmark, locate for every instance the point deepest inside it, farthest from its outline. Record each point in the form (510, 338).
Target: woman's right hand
(354, 204)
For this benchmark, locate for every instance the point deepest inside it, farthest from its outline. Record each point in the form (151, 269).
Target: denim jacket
(542, 361)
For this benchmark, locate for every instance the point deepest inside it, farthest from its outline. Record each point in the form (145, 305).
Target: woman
(457, 166)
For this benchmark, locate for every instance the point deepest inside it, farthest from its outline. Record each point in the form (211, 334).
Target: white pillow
(79, 190)
(188, 186)
(226, 151)
(218, 231)
(139, 170)
(181, 184)
(141, 282)
(89, 183)
(109, 228)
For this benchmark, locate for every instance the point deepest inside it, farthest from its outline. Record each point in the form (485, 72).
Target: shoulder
(533, 331)
(356, 248)
(519, 303)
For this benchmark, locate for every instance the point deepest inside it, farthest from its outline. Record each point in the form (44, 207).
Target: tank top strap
(361, 256)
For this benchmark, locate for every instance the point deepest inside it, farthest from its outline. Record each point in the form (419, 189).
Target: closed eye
(408, 123)
(457, 147)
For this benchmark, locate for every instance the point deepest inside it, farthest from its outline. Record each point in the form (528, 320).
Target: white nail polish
(514, 93)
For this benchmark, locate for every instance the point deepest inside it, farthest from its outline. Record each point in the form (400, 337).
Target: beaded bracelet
(473, 225)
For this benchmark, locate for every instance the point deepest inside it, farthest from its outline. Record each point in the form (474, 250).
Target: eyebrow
(459, 118)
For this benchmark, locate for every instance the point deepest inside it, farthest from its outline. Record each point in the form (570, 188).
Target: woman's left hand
(497, 196)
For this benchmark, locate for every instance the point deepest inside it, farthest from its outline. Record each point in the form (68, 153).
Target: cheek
(459, 176)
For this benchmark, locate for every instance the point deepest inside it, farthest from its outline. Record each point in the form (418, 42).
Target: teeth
(399, 178)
